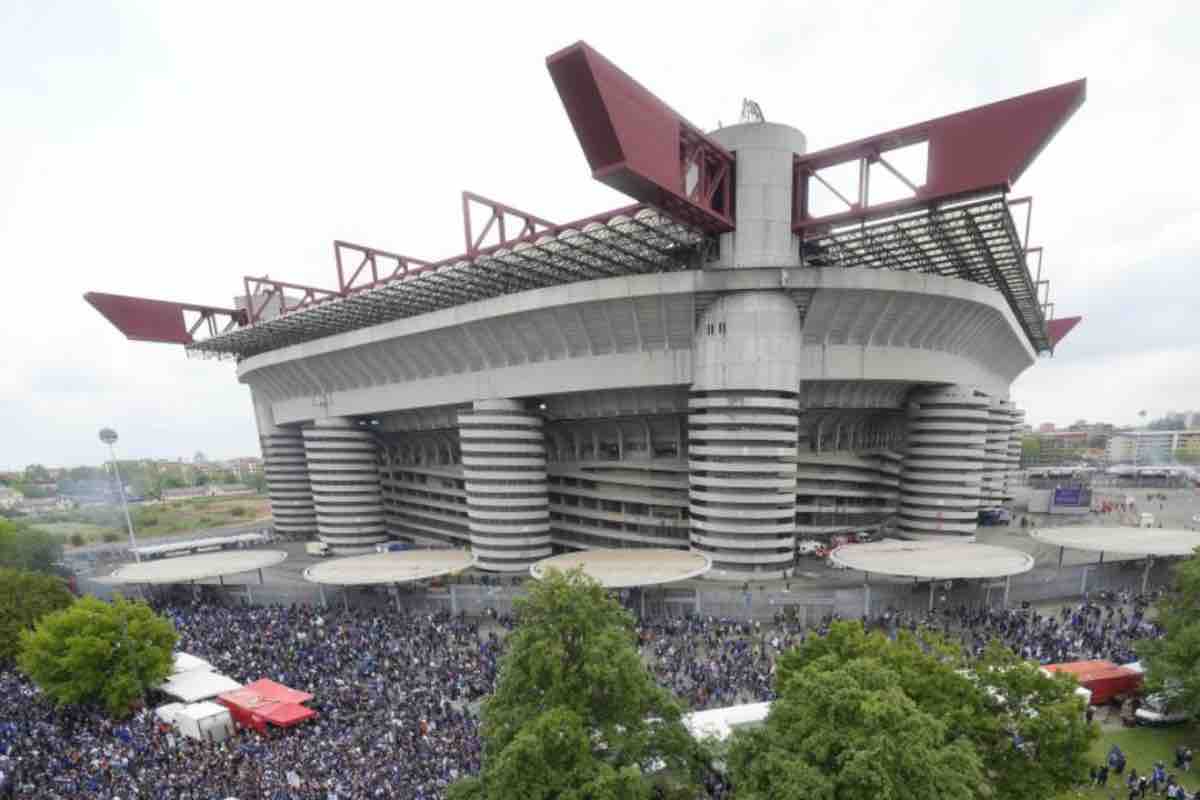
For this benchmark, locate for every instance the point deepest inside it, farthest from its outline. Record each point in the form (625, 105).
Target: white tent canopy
(199, 684)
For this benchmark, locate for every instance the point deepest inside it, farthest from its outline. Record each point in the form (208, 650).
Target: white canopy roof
(186, 662)
(198, 684)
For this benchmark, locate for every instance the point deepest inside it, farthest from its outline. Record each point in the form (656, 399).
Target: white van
(316, 548)
(1146, 520)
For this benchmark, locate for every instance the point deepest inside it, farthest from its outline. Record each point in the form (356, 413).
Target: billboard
(1072, 496)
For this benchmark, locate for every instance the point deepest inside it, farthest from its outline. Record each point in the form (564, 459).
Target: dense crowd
(396, 696)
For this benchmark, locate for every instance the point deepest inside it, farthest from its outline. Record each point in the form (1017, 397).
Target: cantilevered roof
(195, 568)
(619, 569)
(975, 240)
(404, 566)
(1130, 541)
(632, 240)
(933, 560)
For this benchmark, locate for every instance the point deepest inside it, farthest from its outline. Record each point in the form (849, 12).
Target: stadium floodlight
(109, 437)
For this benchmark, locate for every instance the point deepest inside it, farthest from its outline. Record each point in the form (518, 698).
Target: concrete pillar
(743, 429)
(941, 477)
(343, 467)
(504, 467)
(1016, 421)
(995, 466)
(763, 188)
(285, 468)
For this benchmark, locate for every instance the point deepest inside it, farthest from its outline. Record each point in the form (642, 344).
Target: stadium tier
(752, 353)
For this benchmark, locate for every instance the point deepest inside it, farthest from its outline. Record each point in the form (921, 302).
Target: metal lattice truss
(975, 240)
(632, 240)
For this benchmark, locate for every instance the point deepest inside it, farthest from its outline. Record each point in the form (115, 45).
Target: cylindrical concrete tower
(995, 470)
(943, 463)
(763, 192)
(742, 433)
(343, 467)
(285, 468)
(1014, 451)
(504, 467)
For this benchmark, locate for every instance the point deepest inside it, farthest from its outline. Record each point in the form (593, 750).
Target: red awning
(263, 701)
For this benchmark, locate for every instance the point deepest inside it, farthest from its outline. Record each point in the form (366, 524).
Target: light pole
(109, 437)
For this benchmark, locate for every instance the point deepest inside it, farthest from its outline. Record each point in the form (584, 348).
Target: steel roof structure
(956, 221)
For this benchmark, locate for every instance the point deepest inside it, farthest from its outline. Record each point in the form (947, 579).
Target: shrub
(238, 511)
(76, 539)
(111, 536)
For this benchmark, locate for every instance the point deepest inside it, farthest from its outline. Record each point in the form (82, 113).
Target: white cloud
(168, 149)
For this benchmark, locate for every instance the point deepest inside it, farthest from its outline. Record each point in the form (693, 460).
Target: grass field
(151, 520)
(1142, 747)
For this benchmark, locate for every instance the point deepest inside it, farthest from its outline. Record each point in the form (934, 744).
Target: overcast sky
(168, 149)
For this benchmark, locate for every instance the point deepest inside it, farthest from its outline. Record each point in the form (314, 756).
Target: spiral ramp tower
(343, 467)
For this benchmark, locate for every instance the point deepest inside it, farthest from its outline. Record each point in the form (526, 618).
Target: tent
(199, 684)
(186, 662)
(265, 701)
(204, 721)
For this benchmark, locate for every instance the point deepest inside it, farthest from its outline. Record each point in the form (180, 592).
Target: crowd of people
(397, 694)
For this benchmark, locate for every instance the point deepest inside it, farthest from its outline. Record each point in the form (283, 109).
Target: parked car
(1157, 709)
(809, 547)
(316, 548)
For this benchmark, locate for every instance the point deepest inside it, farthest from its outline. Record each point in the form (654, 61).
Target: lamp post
(109, 437)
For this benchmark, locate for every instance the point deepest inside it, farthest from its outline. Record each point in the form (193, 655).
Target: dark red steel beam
(145, 320)
(379, 265)
(639, 145)
(1057, 329)
(972, 152)
(268, 288)
(498, 214)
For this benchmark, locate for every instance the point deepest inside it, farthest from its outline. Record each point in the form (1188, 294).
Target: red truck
(1104, 679)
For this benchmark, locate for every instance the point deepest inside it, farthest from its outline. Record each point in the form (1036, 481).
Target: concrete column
(343, 467)
(943, 462)
(1016, 421)
(286, 471)
(995, 465)
(763, 188)
(504, 467)
(743, 429)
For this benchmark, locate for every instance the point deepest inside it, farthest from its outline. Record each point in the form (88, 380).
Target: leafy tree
(1173, 662)
(26, 548)
(860, 715)
(1186, 455)
(1031, 450)
(576, 714)
(36, 473)
(26, 597)
(98, 653)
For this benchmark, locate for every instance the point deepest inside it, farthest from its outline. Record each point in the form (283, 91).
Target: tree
(1031, 449)
(1186, 455)
(26, 597)
(575, 713)
(861, 715)
(26, 548)
(98, 653)
(1173, 661)
(36, 473)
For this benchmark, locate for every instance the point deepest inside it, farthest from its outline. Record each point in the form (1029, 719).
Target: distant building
(1046, 427)
(1151, 447)
(44, 505)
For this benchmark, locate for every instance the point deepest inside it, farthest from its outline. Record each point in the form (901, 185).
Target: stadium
(768, 345)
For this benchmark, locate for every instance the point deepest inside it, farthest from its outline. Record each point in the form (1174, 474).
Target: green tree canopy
(576, 714)
(36, 473)
(1173, 661)
(98, 653)
(859, 715)
(26, 548)
(26, 597)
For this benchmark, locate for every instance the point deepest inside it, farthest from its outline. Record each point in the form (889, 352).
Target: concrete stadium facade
(733, 406)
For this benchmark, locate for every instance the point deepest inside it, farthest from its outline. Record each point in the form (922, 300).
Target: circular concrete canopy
(194, 568)
(620, 569)
(1130, 541)
(933, 560)
(404, 566)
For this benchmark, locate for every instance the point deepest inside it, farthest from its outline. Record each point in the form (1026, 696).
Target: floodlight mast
(109, 437)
